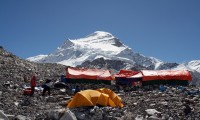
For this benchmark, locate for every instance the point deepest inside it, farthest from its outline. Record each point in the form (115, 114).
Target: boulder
(68, 115)
(3, 116)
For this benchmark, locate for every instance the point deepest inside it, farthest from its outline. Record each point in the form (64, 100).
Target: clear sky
(165, 29)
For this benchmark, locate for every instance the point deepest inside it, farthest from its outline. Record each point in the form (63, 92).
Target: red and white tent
(83, 73)
(166, 75)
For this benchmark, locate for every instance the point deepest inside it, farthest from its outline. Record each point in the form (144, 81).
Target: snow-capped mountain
(194, 67)
(37, 58)
(96, 45)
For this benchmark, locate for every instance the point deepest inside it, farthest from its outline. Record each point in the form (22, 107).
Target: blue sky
(165, 29)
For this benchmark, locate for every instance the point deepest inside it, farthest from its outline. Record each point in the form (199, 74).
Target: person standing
(47, 87)
(33, 84)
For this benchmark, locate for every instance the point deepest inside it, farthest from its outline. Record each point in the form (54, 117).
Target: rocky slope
(14, 69)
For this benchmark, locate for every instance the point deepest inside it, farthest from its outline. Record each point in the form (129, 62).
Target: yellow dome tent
(113, 97)
(103, 96)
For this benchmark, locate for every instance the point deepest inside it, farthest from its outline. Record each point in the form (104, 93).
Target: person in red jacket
(33, 84)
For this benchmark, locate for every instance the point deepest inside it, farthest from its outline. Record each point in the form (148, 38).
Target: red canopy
(126, 73)
(93, 74)
(166, 75)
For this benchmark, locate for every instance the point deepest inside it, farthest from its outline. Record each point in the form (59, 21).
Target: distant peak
(195, 61)
(67, 42)
(100, 34)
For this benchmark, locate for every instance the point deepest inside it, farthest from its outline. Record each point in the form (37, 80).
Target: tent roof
(83, 73)
(138, 75)
(166, 75)
(126, 73)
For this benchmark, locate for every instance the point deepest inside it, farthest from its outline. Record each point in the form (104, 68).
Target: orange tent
(112, 97)
(104, 97)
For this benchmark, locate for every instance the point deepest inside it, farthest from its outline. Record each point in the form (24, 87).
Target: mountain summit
(96, 45)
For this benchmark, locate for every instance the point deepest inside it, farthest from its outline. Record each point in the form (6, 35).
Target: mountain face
(103, 50)
(94, 46)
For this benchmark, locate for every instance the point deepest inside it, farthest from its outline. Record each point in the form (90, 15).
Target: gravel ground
(170, 104)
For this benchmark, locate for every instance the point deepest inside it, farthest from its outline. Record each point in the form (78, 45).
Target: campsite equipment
(181, 88)
(162, 88)
(193, 92)
(103, 97)
(27, 91)
(59, 84)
